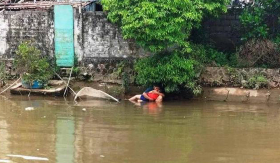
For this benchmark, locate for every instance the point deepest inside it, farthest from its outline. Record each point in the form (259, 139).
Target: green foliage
(260, 19)
(173, 71)
(3, 76)
(123, 71)
(164, 27)
(256, 82)
(259, 53)
(208, 55)
(159, 25)
(2, 71)
(76, 69)
(260, 26)
(125, 81)
(178, 71)
(253, 24)
(31, 65)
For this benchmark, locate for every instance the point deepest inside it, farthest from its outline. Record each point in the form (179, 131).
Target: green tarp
(64, 35)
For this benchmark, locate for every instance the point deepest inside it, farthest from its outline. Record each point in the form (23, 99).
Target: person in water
(150, 94)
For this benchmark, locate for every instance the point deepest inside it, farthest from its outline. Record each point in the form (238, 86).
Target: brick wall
(224, 31)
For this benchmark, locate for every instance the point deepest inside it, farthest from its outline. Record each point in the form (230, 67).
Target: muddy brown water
(60, 131)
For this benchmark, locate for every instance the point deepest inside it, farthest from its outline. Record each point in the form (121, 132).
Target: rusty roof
(39, 5)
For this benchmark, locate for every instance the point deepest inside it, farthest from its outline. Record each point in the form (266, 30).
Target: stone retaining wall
(240, 77)
(229, 94)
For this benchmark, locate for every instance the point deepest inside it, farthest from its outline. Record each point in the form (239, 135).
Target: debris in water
(29, 108)
(88, 91)
(29, 157)
(102, 156)
(84, 109)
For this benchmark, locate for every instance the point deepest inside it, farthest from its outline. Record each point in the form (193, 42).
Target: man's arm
(161, 94)
(147, 97)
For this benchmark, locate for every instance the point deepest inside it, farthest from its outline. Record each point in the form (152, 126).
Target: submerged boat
(55, 88)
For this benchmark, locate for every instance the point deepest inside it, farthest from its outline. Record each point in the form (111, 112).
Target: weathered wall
(94, 36)
(4, 28)
(228, 94)
(108, 70)
(99, 45)
(229, 84)
(98, 38)
(17, 26)
(240, 77)
(224, 31)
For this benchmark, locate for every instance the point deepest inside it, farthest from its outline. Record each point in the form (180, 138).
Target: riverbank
(240, 95)
(219, 84)
(226, 94)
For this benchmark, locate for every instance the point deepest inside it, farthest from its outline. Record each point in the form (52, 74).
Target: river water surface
(60, 131)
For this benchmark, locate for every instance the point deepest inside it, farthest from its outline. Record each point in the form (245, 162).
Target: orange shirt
(152, 95)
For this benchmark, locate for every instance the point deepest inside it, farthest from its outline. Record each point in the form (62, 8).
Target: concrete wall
(230, 84)
(240, 77)
(230, 94)
(224, 31)
(94, 36)
(17, 26)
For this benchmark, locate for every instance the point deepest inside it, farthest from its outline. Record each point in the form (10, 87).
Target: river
(56, 130)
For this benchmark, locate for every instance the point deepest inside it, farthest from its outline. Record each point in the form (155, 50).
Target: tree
(159, 25)
(260, 20)
(177, 71)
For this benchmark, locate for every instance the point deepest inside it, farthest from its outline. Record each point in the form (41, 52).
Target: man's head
(157, 87)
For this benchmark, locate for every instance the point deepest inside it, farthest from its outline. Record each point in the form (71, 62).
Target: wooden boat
(56, 88)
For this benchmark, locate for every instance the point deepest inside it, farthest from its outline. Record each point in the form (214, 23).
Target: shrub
(260, 20)
(256, 82)
(259, 53)
(162, 24)
(3, 75)
(208, 55)
(178, 71)
(173, 71)
(31, 64)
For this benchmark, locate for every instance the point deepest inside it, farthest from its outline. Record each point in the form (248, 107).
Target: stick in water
(65, 83)
(68, 82)
(10, 86)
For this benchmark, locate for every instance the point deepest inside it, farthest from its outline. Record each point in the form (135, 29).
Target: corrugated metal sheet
(64, 35)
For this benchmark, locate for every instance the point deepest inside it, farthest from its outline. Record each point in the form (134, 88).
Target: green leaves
(31, 64)
(260, 20)
(176, 71)
(158, 25)
(165, 25)
(171, 70)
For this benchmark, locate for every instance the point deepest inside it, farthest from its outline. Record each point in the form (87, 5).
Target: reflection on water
(102, 131)
(65, 128)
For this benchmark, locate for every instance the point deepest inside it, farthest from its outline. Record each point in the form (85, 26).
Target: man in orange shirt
(150, 94)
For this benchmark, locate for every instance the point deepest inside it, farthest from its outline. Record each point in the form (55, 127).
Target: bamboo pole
(68, 82)
(65, 83)
(10, 86)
